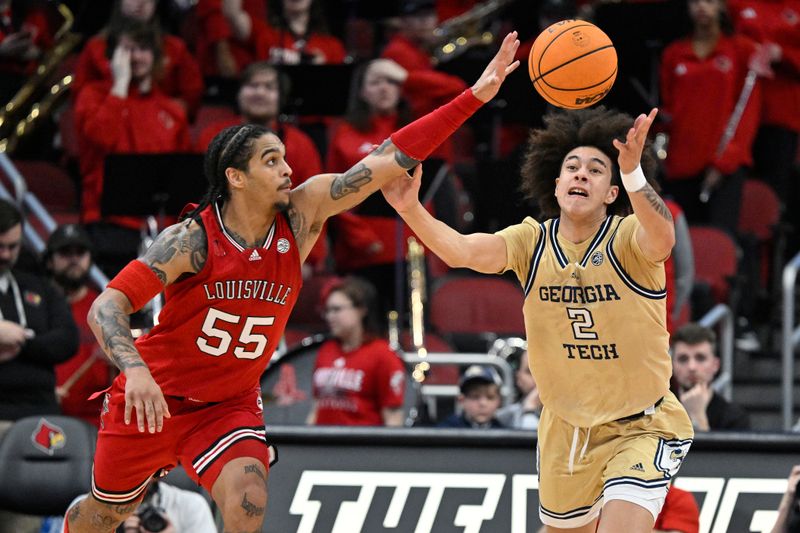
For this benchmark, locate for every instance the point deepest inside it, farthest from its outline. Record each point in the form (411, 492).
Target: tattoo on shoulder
(405, 162)
(655, 201)
(351, 181)
(182, 239)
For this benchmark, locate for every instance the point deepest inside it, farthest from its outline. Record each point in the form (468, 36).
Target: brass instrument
(458, 34)
(416, 283)
(12, 127)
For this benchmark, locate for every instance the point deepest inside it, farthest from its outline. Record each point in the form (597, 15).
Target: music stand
(151, 184)
(317, 89)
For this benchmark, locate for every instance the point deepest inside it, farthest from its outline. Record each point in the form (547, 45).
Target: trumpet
(458, 34)
(11, 127)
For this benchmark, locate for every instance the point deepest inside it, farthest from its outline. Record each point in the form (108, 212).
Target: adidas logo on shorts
(638, 467)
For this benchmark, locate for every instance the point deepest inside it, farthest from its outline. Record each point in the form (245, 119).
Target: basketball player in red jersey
(231, 271)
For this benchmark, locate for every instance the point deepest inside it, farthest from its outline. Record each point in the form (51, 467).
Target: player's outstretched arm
(328, 194)
(656, 235)
(482, 252)
(177, 250)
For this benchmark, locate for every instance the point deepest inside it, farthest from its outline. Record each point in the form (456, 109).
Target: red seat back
(760, 210)
(716, 259)
(477, 305)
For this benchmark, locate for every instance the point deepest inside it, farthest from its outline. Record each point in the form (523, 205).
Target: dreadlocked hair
(565, 131)
(231, 148)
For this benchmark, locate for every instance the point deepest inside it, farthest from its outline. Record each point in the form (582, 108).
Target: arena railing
(440, 358)
(790, 339)
(34, 208)
(721, 315)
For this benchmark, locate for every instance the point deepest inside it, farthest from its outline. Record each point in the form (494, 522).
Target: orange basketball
(573, 64)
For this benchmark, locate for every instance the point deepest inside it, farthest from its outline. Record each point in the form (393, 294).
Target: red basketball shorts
(202, 437)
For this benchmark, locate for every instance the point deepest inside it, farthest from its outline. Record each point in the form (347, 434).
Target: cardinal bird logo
(48, 437)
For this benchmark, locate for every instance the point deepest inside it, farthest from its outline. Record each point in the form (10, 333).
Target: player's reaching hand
(498, 68)
(144, 395)
(402, 193)
(630, 151)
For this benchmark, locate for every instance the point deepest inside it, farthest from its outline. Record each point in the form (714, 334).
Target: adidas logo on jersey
(638, 467)
(254, 256)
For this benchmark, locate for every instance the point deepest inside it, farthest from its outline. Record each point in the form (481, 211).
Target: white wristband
(635, 180)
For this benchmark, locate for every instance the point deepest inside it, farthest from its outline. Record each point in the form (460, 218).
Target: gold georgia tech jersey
(595, 318)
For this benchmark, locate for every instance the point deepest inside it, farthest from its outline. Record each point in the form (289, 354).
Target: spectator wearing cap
(525, 412)
(68, 259)
(36, 330)
(479, 400)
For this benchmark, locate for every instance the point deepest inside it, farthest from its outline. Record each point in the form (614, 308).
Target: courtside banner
(376, 480)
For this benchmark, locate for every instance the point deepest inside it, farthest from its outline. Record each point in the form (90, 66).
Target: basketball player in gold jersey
(611, 435)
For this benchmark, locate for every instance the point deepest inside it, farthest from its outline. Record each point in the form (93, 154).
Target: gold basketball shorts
(631, 459)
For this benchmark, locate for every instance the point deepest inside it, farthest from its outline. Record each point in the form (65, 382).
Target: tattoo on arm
(405, 162)
(382, 148)
(250, 508)
(115, 325)
(351, 181)
(255, 469)
(178, 240)
(655, 201)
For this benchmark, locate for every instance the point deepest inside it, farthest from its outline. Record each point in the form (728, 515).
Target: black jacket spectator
(27, 382)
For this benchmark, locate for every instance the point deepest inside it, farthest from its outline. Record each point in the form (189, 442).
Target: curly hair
(565, 131)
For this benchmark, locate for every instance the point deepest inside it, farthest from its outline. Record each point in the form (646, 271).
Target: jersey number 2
(223, 338)
(582, 323)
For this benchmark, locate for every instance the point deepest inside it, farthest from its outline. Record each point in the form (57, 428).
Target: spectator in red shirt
(364, 241)
(410, 48)
(68, 259)
(358, 379)
(701, 78)
(224, 48)
(126, 115)
(776, 25)
(259, 101)
(287, 32)
(298, 33)
(180, 76)
(679, 514)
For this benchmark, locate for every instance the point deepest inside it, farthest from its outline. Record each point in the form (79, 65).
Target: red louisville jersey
(352, 388)
(219, 327)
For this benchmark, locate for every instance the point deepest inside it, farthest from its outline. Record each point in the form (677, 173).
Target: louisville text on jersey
(248, 289)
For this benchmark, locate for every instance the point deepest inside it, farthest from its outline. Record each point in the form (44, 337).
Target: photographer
(168, 509)
(788, 520)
